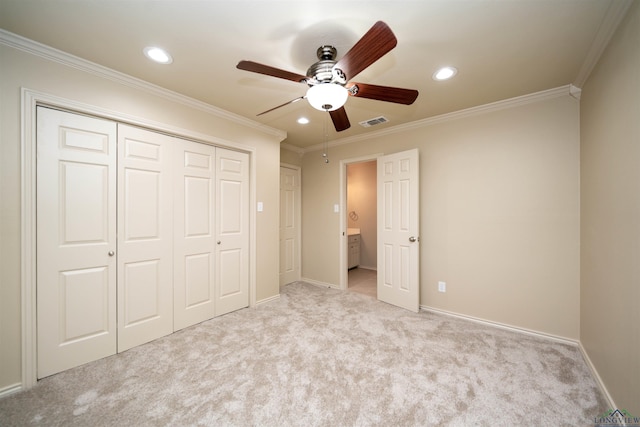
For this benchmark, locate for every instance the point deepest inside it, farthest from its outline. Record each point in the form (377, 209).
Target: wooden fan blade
(340, 119)
(270, 71)
(383, 93)
(372, 46)
(282, 105)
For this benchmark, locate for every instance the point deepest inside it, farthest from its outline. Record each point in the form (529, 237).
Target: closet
(139, 234)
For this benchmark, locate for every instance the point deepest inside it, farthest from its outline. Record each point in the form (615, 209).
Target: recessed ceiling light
(303, 120)
(158, 55)
(444, 73)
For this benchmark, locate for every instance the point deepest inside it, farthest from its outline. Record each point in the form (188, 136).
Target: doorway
(361, 226)
(398, 227)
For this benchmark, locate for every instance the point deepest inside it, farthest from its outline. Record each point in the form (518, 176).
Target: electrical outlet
(442, 287)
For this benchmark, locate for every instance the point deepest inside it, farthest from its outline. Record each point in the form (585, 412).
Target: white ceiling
(502, 49)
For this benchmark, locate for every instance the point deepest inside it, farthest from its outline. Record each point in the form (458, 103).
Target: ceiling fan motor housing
(323, 71)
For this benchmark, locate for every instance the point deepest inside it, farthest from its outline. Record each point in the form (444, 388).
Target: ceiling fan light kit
(327, 96)
(328, 79)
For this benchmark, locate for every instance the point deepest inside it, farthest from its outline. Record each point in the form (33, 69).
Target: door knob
(219, 242)
(413, 239)
(111, 253)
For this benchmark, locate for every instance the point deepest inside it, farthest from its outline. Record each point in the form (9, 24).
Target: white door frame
(31, 99)
(344, 240)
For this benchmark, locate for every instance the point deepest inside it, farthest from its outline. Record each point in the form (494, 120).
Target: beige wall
(610, 213)
(362, 198)
(499, 213)
(19, 69)
(290, 157)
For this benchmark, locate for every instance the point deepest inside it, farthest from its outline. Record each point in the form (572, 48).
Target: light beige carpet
(322, 357)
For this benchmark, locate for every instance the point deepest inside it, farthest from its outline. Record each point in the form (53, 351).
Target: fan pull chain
(325, 138)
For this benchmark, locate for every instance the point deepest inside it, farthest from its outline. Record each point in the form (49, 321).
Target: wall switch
(260, 207)
(442, 287)
(336, 208)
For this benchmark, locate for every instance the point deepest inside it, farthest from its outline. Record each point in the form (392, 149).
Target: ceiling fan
(329, 80)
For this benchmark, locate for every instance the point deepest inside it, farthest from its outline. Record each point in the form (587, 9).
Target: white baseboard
(538, 334)
(595, 374)
(564, 340)
(269, 299)
(319, 283)
(10, 389)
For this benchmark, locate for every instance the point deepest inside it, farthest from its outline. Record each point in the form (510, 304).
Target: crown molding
(615, 13)
(51, 54)
(576, 92)
(468, 112)
(299, 151)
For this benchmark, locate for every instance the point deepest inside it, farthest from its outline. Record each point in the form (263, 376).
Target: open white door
(398, 230)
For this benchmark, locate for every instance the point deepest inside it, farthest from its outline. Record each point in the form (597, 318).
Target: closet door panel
(178, 255)
(145, 236)
(232, 230)
(194, 240)
(76, 232)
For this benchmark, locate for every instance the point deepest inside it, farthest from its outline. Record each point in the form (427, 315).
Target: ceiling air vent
(374, 121)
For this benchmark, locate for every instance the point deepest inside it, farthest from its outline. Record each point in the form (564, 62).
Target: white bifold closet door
(145, 236)
(211, 235)
(232, 231)
(171, 215)
(194, 233)
(76, 240)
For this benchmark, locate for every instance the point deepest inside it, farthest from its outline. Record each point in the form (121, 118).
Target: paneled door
(289, 225)
(398, 230)
(232, 231)
(76, 240)
(145, 236)
(194, 227)
(179, 254)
